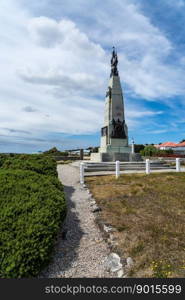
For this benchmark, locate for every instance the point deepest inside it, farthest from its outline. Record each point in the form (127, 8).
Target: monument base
(135, 157)
(113, 156)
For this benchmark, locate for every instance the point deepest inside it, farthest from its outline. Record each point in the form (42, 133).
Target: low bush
(55, 152)
(3, 157)
(150, 150)
(32, 208)
(33, 162)
(138, 148)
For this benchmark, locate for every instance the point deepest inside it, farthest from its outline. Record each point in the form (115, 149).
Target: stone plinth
(113, 156)
(135, 157)
(109, 156)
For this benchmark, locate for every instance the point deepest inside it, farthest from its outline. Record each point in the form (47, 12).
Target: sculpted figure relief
(118, 129)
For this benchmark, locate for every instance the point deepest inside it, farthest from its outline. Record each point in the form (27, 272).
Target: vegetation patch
(32, 209)
(35, 162)
(150, 150)
(55, 152)
(148, 212)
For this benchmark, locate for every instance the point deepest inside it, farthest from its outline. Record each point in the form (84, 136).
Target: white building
(177, 148)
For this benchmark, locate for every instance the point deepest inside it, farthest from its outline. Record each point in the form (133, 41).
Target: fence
(117, 168)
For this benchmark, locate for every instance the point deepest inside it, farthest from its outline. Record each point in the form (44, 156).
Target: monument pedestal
(114, 156)
(109, 156)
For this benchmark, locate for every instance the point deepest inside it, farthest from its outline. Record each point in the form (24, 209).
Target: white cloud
(60, 101)
(142, 59)
(139, 113)
(158, 131)
(45, 31)
(55, 71)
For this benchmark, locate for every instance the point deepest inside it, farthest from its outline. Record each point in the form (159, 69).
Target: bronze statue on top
(114, 63)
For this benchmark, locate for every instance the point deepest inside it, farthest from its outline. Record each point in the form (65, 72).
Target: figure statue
(118, 129)
(114, 63)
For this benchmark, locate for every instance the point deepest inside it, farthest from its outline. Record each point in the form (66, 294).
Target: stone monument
(114, 133)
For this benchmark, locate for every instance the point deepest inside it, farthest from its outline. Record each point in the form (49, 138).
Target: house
(166, 146)
(178, 148)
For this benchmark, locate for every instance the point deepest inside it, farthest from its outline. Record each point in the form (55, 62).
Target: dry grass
(148, 212)
(64, 162)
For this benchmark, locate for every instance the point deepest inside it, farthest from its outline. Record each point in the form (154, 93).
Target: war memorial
(114, 133)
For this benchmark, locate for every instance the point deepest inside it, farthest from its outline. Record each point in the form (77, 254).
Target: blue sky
(55, 66)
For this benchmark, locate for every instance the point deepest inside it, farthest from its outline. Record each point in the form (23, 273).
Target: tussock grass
(148, 212)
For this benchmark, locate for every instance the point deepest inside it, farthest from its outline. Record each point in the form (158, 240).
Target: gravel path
(81, 253)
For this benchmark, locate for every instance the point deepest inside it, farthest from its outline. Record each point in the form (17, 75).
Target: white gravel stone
(120, 273)
(129, 262)
(95, 208)
(107, 228)
(112, 263)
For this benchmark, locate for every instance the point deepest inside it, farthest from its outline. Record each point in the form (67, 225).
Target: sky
(55, 67)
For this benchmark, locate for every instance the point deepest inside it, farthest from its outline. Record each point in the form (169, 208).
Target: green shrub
(32, 208)
(138, 147)
(34, 162)
(3, 157)
(55, 152)
(150, 150)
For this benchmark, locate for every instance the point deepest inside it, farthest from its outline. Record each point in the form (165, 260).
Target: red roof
(180, 144)
(168, 144)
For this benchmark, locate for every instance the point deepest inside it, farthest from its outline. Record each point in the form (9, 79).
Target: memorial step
(124, 166)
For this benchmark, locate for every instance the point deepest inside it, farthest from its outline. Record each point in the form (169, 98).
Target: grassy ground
(148, 212)
(64, 162)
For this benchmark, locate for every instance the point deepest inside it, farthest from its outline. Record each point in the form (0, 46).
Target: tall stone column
(114, 133)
